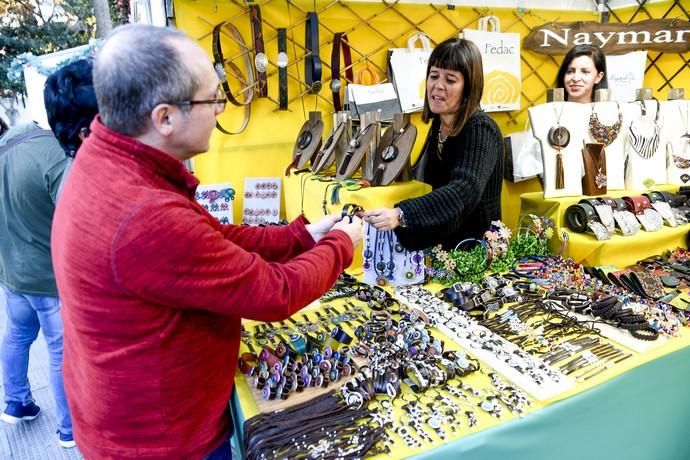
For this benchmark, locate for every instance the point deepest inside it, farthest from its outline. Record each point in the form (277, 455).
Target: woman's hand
(383, 219)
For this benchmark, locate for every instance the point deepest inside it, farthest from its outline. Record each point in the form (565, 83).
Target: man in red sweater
(153, 287)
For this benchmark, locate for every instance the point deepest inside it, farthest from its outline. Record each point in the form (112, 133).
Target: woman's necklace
(559, 138)
(602, 133)
(645, 145)
(441, 139)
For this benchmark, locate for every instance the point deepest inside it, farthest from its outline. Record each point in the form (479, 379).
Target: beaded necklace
(602, 133)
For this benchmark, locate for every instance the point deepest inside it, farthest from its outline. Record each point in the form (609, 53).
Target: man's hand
(318, 229)
(353, 230)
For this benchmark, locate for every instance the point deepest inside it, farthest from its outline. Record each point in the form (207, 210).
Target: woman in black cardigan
(462, 157)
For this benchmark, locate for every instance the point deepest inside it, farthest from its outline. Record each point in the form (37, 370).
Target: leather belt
(282, 69)
(312, 62)
(340, 41)
(260, 59)
(578, 215)
(621, 205)
(608, 201)
(654, 197)
(637, 204)
(220, 64)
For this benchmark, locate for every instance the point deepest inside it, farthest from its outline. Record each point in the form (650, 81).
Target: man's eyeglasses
(220, 101)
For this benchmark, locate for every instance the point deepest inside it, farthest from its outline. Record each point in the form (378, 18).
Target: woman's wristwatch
(401, 218)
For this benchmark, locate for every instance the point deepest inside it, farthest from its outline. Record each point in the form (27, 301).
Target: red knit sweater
(153, 289)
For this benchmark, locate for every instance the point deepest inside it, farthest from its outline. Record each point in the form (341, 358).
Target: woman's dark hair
(597, 57)
(70, 101)
(462, 56)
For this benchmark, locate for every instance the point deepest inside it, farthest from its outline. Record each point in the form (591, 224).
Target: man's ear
(163, 117)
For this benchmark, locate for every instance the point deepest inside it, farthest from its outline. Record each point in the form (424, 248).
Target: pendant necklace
(645, 145)
(602, 133)
(559, 138)
(441, 139)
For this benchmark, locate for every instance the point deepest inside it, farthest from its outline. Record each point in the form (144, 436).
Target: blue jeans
(26, 314)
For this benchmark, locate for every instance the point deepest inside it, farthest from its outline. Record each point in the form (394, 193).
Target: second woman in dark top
(462, 157)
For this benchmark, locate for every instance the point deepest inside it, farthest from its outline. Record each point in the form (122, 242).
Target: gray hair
(137, 68)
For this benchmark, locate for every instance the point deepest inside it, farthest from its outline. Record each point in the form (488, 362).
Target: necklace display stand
(387, 262)
(546, 118)
(676, 131)
(645, 157)
(607, 115)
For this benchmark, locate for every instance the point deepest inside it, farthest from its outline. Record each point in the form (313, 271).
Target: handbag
(594, 178)
(522, 156)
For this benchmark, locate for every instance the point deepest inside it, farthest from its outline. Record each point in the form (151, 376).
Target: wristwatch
(401, 218)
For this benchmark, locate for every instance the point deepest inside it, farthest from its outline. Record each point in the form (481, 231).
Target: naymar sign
(667, 35)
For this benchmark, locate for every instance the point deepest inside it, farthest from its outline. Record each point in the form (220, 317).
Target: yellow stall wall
(264, 149)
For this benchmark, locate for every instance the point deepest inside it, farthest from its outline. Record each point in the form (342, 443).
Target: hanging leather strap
(282, 69)
(220, 65)
(260, 59)
(312, 62)
(340, 41)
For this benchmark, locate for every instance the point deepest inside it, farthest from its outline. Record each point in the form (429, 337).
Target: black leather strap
(578, 215)
(312, 62)
(260, 59)
(282, 69)
(340, 41)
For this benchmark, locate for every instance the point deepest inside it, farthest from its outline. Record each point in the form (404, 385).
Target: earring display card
(217, 200)
(261, 200)
(387, 262)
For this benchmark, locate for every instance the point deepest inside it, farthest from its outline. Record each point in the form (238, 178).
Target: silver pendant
(600, 179)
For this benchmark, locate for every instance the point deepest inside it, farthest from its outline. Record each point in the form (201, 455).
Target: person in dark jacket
(462, 157)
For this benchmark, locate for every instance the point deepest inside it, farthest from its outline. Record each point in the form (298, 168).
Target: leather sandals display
(325, 158)
(393, 152)
(308, 141)
(359, 145)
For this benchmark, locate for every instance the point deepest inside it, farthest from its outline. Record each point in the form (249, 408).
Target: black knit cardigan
(468, 196)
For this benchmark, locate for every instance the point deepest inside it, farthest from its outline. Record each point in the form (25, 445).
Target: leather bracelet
(246, 362)
(578, 215)
(341, 336)
(312, 62)
(340, 41)
(282, 69)
(654, 197)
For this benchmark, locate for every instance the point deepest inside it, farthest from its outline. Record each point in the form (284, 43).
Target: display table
(634, 410)
(583, 247)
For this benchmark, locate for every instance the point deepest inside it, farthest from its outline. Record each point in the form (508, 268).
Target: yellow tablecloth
(620, 250)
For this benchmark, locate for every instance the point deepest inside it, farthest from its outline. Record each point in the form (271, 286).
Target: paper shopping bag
(501, 61)
(408, 72)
